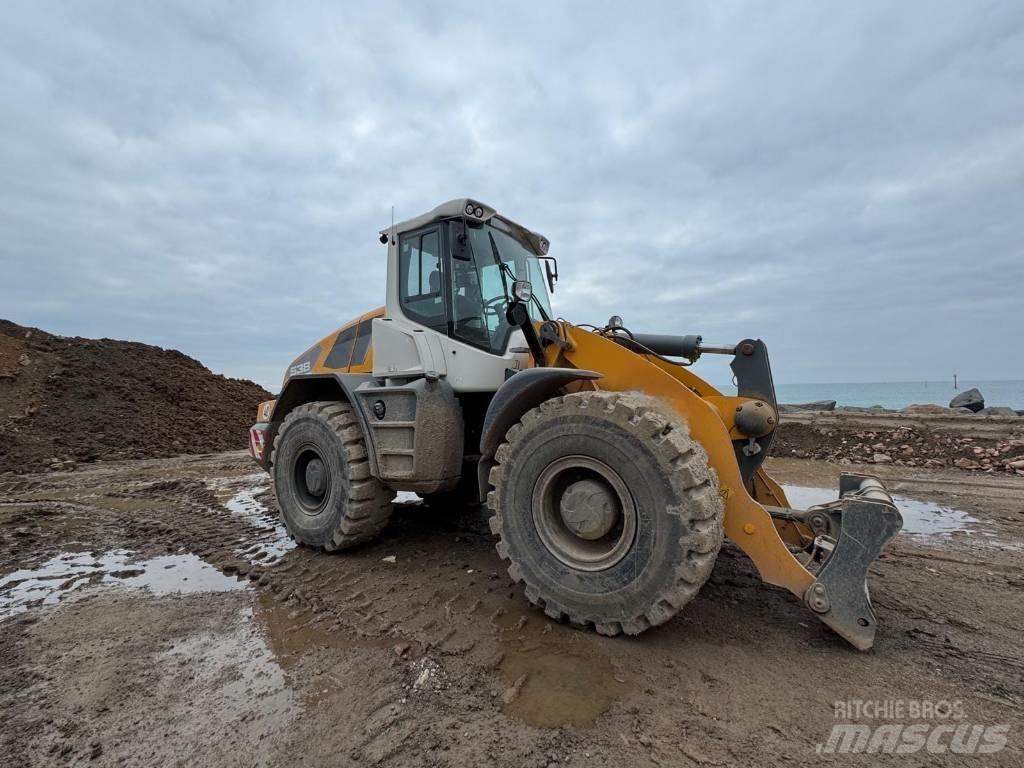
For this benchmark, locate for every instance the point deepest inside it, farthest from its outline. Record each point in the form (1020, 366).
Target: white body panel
(403, 349)
(473, 370)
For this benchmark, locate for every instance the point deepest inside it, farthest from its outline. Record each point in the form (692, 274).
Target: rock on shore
(971, 399)
(911, 440)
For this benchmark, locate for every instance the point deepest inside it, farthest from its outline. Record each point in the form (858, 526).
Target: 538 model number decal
(301, 368)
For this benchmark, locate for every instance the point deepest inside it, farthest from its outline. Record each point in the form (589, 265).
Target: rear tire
(325, 492)
(607, 510)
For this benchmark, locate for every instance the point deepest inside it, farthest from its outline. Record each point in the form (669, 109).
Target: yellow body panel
(354, 366)
(747, 522)
(265, 410)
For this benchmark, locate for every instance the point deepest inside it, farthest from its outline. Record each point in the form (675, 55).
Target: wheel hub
(583, 513)
(312, 479)
(316, 477)
(589, 509)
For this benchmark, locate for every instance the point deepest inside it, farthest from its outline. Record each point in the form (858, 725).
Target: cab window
(362, 342)
(420, 279)
(481, 285)
(342, 349)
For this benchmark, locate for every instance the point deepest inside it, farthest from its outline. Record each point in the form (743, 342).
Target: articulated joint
(755, 418)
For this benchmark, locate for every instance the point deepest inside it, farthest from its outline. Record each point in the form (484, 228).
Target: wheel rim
(312, 480)
(583, 513)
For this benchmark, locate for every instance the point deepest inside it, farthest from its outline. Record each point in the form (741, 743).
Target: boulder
(998, 410)
(971, 398)
(817, 405)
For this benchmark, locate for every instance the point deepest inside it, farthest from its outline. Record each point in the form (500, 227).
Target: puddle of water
(243, 686)
(272, 546)
(919, 517)
(56, 578)
(554, 675)
(290, 633)
(259, 675)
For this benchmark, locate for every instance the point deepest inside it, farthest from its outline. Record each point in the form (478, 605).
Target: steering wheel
(495, 306)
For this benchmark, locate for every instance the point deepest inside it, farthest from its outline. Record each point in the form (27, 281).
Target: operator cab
(456, 276)
(460, 271)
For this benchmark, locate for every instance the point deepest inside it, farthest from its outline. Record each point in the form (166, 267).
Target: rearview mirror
(552, 274)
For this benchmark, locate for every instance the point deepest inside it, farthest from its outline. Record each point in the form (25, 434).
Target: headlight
(469, 209)
(478, 212)
(522, 290)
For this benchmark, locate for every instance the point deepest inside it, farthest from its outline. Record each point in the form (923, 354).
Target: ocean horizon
(899, 394)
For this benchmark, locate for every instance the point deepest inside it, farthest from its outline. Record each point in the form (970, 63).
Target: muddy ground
(990, 444)
(154, 613)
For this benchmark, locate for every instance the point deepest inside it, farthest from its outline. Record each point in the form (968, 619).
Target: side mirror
(460, 245)
(552, 276)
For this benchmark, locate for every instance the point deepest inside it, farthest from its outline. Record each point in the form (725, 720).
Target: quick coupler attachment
(849, 534)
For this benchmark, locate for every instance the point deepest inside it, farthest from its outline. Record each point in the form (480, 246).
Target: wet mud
(156, 613)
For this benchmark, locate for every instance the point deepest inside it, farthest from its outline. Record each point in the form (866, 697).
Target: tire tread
(701, 506)
(368, 507)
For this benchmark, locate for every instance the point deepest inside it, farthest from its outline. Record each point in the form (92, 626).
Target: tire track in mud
(422, 645)
(436, 608)
(448, 596)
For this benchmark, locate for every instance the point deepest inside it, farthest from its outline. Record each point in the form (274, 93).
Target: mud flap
(861, 523)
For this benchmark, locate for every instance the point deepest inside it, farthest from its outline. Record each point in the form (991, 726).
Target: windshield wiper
(502, 266)
(505, 270)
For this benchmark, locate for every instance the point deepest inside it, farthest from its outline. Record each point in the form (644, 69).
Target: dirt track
(436, 659)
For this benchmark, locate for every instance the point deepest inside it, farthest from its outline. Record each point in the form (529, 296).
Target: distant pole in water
(954, 381)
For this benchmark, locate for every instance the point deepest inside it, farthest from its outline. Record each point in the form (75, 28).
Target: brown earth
(976, 443)
(418, 650)
(70, 400)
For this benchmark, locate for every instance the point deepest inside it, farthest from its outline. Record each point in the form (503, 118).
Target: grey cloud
(845, 182)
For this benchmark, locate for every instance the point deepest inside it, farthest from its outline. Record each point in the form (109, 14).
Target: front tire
(325, 492)
(607, 510)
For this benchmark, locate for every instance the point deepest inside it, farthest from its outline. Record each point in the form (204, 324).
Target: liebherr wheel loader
(612, 472)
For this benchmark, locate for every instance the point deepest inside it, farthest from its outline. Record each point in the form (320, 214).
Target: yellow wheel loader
(612, 471)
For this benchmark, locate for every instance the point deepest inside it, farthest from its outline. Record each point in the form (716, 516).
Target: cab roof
(472, 210)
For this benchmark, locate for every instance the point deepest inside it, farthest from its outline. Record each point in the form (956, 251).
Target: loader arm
(842, 603)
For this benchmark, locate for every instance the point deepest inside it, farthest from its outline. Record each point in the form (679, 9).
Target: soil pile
(906, 442)
(65, 400)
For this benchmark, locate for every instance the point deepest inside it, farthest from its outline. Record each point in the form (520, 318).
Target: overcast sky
(844, 180)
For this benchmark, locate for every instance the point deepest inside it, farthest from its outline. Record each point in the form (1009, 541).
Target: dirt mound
(77, 400)
(905, 443)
